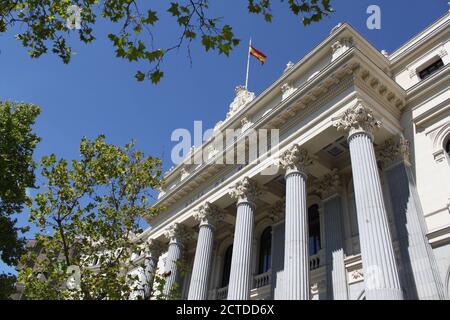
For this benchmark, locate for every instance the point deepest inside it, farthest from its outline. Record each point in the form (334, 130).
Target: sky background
(98, 94)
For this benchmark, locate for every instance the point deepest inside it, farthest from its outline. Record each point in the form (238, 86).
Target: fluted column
(245, 192)
(208, 215)
(152, 252)
(296, 285)
(381, 278)
(176, 234)
(330, 187)
(420, 275)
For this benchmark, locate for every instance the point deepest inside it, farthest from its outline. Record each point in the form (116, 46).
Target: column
(176, 234)
(330, 187)
(245, 192)
(296, 285)
(381, 278)
(419, 276)
(153, 252)
(208, 215)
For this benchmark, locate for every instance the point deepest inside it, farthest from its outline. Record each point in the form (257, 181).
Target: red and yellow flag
(257, 54)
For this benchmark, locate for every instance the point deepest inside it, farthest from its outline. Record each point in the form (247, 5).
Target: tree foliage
(17, 144)
(88, 214)
(44, 26)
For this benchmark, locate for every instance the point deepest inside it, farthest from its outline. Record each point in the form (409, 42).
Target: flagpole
(248, 63)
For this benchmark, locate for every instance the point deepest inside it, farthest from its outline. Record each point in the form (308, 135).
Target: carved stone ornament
(177, 233)
(330, 184)
(394, 150)
(289, 65)
(358, 118)
(245, 123)
(340, 46)
(336, 27)
(183, 173)
(208, 214)
(286, 90)
(243, 97)
(246, 190)
(295, 159)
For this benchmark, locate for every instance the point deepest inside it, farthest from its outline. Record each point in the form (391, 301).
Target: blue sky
(97, 92)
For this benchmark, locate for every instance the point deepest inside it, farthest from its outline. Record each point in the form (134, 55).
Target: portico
(329, 211)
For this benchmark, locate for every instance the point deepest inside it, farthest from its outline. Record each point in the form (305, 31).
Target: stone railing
(263, 279)
(316, 261)
(222, 293)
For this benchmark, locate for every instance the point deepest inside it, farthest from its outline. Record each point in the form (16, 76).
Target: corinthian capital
(177, 233)
(394, 150)
(295, 159)
(329, 184)
(208, 214)
(245, 190)
(358, 118)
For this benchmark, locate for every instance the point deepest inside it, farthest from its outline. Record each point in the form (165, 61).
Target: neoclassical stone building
(359, 204)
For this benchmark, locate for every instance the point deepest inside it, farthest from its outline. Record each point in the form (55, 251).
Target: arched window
(447, 147)
(227, 266)
(314, 229)
(265, 251)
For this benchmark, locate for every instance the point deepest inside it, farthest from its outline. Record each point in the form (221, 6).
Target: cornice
(411, 46)
(351, 62)
(319, 51)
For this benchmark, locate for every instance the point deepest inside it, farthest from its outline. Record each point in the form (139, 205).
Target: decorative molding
(330, 184)
(242, 98)
(340, 46)
(439, 137)
(177, 233)
(289, 66)
(357, 275)
(245, 123)
(295, 159)
(394, 150)
(442, 53)
(161, 193)
(286, 90)
(358, 118)
(184, 173)
(208, 214)
(334, 29)
(246, 190)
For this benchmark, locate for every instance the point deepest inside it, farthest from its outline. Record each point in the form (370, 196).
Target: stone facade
(359, 204)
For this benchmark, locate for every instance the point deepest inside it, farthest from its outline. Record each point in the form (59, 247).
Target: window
(265, 251)
(227, 266)
(447, 147)
(314, 229)
(432, 68)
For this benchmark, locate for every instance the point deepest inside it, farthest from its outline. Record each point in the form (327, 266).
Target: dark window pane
(265, 251)
(428, 71)
(314, 229)
(227, 266)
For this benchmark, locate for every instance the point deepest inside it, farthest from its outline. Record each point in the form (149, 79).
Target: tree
(88, 215)
(17, 144)
(49, 23)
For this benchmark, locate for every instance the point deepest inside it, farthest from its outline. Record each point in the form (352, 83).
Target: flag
(258, 54)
